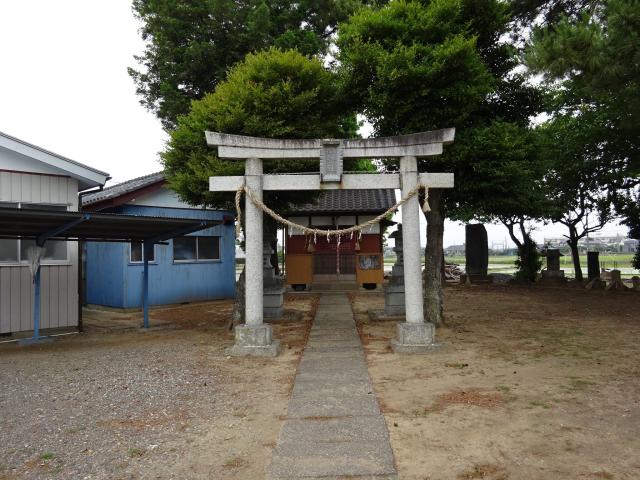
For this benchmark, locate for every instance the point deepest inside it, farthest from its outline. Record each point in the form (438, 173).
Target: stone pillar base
(415, 338)
(254, 340)
(394, 300)
(552, 277)
(273, 299)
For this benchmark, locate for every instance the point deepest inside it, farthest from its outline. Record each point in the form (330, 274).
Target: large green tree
(578, 180)
(275, 94)
(413, 66)
(190, 44)
(592, 58)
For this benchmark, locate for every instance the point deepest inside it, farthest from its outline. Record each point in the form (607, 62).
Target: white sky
(64, 87)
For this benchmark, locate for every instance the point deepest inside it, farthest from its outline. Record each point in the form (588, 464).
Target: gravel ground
(158, 404)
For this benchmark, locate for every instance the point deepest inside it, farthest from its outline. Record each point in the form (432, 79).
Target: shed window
(208, 248)
(9, 246)
(53, 249)
(196, 249)
(15, 250)
(8, 250)
(136, 253)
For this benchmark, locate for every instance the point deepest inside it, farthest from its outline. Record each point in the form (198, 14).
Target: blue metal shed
(195, 267)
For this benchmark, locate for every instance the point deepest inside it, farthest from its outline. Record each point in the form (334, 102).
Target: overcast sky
(64, 87)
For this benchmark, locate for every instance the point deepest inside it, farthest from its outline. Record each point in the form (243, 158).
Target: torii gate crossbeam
(254, 337)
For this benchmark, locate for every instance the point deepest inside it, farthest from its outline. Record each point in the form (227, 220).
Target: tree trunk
(575, 255)
(434, 257)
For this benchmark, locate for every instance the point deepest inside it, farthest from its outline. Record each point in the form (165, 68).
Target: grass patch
(235, 462)
(136, 452)
(456, 365)
(472, 397)
(579, 384)
(485, 470)
(48, 456)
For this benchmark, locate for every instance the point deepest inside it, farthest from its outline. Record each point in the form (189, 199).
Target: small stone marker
(616, 281)
(553, 274)
(476, 254)
(636, 282)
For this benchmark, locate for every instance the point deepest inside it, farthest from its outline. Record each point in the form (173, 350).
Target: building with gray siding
(34, 178)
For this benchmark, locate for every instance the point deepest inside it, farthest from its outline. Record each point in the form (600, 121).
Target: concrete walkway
(334, 428)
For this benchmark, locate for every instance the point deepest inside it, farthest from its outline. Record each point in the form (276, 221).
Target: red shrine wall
(369, 243)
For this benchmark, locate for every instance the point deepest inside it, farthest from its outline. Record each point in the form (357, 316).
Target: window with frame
(136, 252)
(196, 249)
(15, 250)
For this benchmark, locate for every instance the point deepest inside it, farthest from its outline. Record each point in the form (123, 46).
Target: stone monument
(553, 274)
(593, 265)
(476, 254)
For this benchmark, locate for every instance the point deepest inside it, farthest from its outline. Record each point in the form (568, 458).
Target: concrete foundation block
(553, 277)
(415, 338)
(394, 300)
(254, 340)
(272, 303)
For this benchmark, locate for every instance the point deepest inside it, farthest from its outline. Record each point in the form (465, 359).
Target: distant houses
(454, 250)
(195, 267)
(605, 244)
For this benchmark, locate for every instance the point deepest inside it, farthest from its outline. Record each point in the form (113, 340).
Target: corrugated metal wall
(59, 282)
(113, 281)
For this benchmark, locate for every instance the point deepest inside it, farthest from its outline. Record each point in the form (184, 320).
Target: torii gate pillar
(415, 335)
(254, 337)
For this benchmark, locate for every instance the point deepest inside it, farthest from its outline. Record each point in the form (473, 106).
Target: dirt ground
(118, 403)
(532, 383)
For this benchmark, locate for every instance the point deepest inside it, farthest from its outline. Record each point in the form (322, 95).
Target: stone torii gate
(254, 337)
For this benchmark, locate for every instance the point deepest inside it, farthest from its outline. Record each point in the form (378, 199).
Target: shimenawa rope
(316, 231)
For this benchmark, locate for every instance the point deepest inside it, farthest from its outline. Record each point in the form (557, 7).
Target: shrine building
(316, 259)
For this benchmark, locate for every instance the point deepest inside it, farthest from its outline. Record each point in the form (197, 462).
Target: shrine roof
(350, 201)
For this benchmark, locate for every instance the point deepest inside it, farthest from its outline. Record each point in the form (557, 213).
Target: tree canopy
(593, 61)
(190, 44)
(421, 65)
(276, 94)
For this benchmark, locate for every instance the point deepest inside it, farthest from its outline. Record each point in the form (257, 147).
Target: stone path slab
(334, 428)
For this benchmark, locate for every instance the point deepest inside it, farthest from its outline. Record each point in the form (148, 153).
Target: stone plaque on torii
(254, 337)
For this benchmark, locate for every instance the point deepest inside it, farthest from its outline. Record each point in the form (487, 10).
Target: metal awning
(90, 226)
(43, 225)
